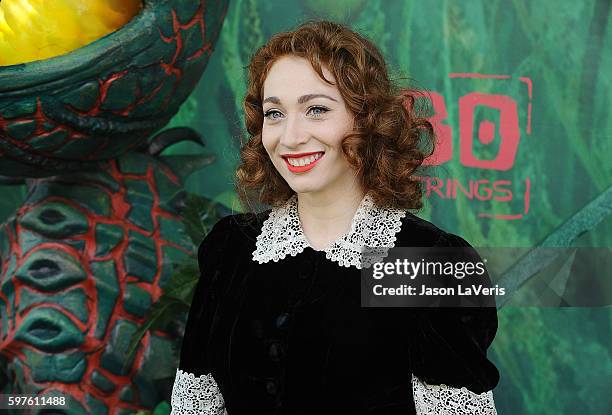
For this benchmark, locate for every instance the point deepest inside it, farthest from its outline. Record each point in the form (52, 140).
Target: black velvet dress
(290, 337)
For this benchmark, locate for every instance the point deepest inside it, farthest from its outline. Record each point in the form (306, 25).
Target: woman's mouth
(299, 163)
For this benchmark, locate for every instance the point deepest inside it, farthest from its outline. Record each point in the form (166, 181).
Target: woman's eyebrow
(301, 100)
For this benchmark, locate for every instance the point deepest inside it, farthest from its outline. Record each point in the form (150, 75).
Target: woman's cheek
(267, 143)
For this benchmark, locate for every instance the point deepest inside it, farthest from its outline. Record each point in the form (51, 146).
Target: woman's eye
(268, 113)
(318, 111)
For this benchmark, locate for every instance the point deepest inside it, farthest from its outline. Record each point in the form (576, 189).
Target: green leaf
(200, 215)
(156, 313)
(175, 301)
(181, 284)
(230, 199)
(536, 259)
(163, 408)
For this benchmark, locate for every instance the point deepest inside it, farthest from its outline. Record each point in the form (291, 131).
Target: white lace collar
(372, 226)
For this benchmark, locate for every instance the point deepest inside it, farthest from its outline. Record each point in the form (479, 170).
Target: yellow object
(39, 29)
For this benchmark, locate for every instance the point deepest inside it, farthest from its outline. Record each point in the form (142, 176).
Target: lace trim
(193, 395)
(372, 227)
(446, 400)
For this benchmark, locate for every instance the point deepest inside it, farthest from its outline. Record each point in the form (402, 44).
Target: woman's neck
(325, 217)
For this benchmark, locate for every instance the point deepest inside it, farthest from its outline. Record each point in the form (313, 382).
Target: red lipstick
(301, 169)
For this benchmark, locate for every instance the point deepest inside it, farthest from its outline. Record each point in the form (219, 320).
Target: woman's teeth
(304, 160)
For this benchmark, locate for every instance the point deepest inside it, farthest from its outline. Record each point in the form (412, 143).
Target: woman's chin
(305, 186)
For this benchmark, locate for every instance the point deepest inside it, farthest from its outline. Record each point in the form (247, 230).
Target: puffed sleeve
(195, 390)
(450, 370)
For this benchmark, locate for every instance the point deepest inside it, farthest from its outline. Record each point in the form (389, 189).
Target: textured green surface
(104, 99)
(81, 263)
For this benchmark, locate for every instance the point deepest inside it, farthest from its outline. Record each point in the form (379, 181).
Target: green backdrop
(538, 158)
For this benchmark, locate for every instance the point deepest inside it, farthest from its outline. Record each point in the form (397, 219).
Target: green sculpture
(83, 260)
(101, 231)
(99, 101)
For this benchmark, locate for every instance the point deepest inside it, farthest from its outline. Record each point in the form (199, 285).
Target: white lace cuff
(193, 395)
(446, 400)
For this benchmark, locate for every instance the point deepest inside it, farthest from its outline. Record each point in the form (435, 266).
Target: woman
(276, 326)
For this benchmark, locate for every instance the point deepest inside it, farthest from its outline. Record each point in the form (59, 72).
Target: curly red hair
(389, 141)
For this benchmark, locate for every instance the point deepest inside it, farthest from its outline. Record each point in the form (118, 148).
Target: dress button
(275, 352)
(282, 321)
(305, 271)
(257, 328)
(271, 388)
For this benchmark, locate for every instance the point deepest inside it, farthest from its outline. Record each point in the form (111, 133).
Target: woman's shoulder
(416, 231)
(247, 225)
(239, 229)
(233, 236)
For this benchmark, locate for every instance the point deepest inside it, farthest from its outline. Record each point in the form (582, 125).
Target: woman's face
(305, 120)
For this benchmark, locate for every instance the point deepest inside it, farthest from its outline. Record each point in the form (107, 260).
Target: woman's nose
(294, 133)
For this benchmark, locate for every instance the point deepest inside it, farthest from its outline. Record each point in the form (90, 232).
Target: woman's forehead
(297, 73)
